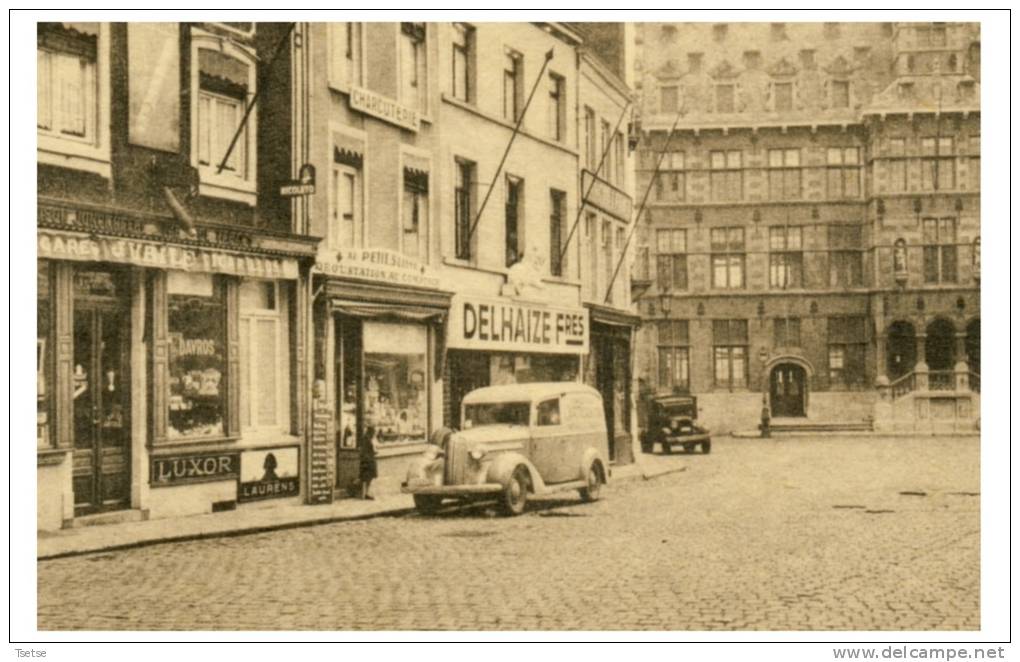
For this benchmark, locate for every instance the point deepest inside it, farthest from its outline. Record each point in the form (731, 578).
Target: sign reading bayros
(505, 325)
(377, 264)
(384, 108)
(151, 254)
(270, 473)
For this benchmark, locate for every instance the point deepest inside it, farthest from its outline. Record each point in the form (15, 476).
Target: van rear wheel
(591, 491)
(515, 494)
(427, 504)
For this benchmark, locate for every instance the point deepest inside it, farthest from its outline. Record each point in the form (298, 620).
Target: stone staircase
(930, 402)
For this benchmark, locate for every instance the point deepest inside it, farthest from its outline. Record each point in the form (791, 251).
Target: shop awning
(388, 311)
(612, 316)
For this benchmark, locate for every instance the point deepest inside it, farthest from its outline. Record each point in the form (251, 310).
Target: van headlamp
(477, 454)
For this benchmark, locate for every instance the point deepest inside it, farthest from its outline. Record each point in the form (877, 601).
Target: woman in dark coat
(367, 470)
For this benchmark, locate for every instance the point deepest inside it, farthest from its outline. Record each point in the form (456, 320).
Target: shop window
(725, 101)
(669, 96)
(671, 259)
(557, 232)
(415, 211)
(674, 354)
(345, 55)
(938, 164)
(846, 256)
(264, 356)
(782, 97)
(897, 172)
(728, 257)
(463, 208)
(463, 58)
(396, 384)
(784, 174)
(222, 83)
(557, 107)
(727, 175)
(548, 412)
(671, 182)
(513, 85)
(786, 332)
(345, 207)
(590, 153)
(512, 215)
(413, 66)
(847, 345)
(197, 366)
(843, 172)
(939, 236)
(786, 257)
(840, 93)
(66, 58)
(729, 340)
(43, 356)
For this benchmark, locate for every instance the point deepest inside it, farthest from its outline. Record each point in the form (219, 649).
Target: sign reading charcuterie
(506, 325)
(384, 108)
(62, 246)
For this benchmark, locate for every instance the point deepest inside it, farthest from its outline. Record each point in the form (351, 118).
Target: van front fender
(503, 466)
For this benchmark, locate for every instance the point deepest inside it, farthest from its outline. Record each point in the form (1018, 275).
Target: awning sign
(496, 324)
(60, 246)
(380, 265)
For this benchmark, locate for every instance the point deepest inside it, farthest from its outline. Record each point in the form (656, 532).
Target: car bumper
(450, 490)
(688, 438)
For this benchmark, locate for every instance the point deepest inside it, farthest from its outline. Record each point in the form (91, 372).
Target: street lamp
(665, 301)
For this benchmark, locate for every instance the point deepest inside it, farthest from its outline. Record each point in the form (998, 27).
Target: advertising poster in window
(270, 473)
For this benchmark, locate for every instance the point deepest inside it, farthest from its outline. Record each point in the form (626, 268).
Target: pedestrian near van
(367, 470)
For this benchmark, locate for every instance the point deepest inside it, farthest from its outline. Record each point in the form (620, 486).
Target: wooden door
(786, 390)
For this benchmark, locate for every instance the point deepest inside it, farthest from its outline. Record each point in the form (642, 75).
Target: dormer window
(222, 85)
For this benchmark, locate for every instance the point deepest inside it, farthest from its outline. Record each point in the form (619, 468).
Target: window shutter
(158, 356)
(64, 322)
(233, 414)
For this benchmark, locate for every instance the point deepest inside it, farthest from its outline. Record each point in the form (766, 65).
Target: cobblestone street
(792, 534)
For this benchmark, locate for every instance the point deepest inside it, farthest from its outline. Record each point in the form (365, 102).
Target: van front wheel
(515, 494)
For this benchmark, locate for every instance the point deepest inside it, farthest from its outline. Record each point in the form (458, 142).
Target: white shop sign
(377, 105)
(380, 265)
(496, 324)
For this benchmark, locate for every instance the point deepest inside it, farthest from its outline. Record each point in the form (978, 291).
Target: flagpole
(641, 208)
(584, 198)
(254, 98)
(506, 152)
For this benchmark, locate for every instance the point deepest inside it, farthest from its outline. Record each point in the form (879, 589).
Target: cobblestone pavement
(794, 534)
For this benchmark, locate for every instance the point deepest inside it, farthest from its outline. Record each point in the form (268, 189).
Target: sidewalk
(108, 537)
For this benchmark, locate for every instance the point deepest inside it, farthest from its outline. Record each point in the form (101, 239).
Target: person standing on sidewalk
(367, 470)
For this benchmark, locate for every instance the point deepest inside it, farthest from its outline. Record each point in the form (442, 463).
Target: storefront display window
(395, 383)
(197, 357)
(44, 391)
(530, 368)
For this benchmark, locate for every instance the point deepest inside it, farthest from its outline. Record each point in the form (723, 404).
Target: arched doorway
(973, 345)
(939, 345)
(901, 349)
(788, 390)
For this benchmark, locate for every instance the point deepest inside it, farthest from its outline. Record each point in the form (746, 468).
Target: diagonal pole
(254, 98)
(584, 198)
(506, 152)
(641, 208)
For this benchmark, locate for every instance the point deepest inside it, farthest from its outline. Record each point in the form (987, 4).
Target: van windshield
(497, 413)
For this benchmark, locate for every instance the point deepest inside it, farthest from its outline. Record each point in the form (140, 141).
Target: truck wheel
(591, 491)
(666, 448)
(688, 448)
(427, 504)
(515, 494)
(706, 447)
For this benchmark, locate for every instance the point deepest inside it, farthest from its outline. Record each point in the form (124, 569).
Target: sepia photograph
(470, 324)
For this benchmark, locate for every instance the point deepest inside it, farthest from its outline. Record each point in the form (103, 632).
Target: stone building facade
(812, 238)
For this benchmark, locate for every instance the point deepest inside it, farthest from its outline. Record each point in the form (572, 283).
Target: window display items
(395, 395)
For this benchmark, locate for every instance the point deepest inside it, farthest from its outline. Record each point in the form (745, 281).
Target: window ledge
(178, 446)
(66, 154)
(236, 193)
(561, 280)
(472, 108)
(464, 264)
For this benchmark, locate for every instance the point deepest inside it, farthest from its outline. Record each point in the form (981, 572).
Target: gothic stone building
(812, 237)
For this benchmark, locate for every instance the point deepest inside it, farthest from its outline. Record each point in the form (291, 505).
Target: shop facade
(609, 368)
(169, 365)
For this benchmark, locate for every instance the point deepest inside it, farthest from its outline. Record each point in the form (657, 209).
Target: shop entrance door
(102, 392)
(786, 390)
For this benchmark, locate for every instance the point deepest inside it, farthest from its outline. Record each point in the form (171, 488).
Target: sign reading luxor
(505, 325)
(183, 469)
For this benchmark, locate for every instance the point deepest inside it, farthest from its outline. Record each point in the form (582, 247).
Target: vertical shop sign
(321, 454)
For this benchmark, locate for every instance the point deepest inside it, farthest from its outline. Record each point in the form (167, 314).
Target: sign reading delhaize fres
(384, 108)
(517, 326)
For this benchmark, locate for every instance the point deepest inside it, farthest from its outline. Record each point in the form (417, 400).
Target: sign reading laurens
(505, 325)
(269, 473)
